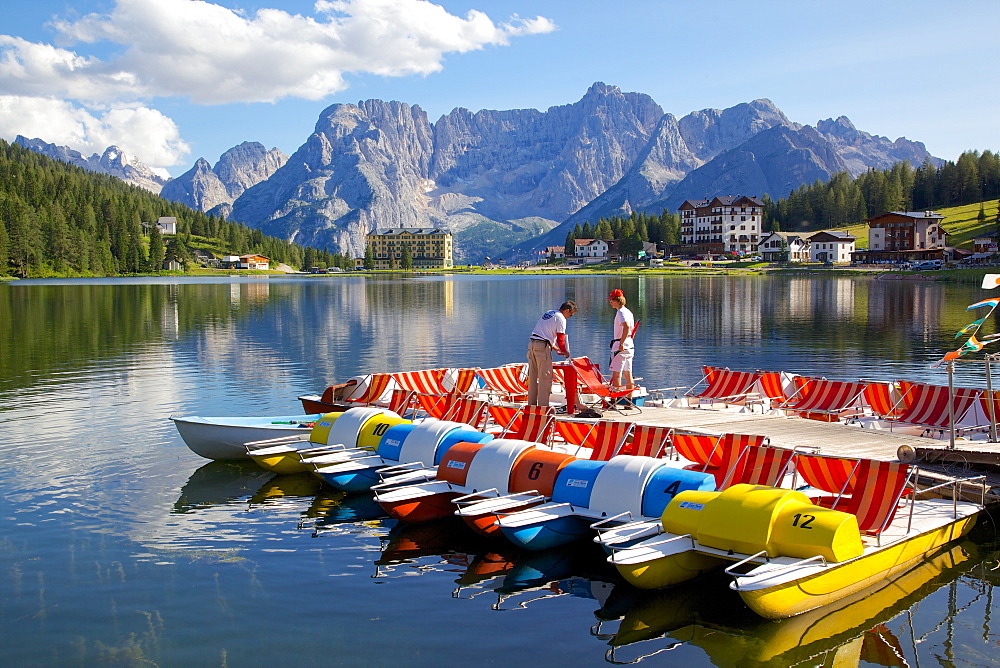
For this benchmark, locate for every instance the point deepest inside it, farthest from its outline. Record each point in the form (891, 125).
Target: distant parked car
(928, 265)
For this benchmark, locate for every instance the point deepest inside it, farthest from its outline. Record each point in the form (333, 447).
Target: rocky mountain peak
(113, 161)
(205, 188)
(711, 131)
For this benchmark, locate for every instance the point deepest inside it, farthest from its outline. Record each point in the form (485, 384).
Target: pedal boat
(467, 468)
(359, 428)
(531, 482)
(594, 495)
(786, 554)
(787, 587)
(408, 453)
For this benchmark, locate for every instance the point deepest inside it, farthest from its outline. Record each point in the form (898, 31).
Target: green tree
(369, 261)
(4, 245)
(570, 249)
(58, 250)
(603, 231)
(156, 250)
(178, 251)
(25, 238)
(968, 178)
(406, 262)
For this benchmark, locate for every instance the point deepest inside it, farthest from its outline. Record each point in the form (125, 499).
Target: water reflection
(332, 507)
(308, 333)
(221, 483)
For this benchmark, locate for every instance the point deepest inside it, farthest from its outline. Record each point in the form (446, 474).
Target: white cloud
(85, 91)
(216, 55)
(145, 133)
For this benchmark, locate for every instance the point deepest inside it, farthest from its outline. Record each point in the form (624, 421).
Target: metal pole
(990, 407)
(951, 404)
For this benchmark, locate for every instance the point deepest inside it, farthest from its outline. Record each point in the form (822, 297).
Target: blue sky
(173, 80)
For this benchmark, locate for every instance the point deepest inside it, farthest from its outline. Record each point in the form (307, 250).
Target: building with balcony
(897, 236)
(730, 224)
(430, 248)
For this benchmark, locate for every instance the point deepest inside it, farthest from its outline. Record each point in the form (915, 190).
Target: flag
(971, 346)
(991, 281)
(986, 302)
(953, 355)
(970, 327)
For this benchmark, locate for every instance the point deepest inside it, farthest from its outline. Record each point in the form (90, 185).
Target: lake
(119, 546)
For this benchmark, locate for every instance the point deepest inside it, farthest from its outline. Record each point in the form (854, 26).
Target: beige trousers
(539, 372)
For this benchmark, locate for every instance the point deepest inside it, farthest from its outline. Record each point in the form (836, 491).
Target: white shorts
(623, 360)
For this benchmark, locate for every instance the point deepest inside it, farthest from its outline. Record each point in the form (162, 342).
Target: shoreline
(946, 275)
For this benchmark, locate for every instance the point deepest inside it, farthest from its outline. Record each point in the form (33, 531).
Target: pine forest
(60, 220)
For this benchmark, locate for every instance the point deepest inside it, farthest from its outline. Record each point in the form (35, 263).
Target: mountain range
(113, 161)
(507, 183)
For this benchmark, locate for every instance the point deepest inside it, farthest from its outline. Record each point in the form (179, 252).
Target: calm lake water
(119, 546)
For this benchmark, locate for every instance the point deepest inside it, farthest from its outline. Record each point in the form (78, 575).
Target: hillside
(58, 219)
(961, 222)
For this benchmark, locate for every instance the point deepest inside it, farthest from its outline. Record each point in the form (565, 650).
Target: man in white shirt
(622, 346)
(549, 333)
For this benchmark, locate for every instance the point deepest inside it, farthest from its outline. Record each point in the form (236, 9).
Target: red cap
(616, 293)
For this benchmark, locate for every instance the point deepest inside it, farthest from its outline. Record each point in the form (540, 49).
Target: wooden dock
(836, 438)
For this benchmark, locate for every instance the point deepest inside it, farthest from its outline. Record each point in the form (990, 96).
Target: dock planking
(833, 438)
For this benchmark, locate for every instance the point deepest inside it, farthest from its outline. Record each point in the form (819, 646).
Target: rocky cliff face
(208, 188)
(709, 132)
(364, 166)
(777, 160)
(382, 164)
(113, 161)
(862, 151)
(676, 149)
(549, 164)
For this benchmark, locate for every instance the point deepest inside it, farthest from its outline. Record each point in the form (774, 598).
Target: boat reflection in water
(577, 570)
(851, 630)
(333, 509)
(515, 577)
(293, 486)
(221, 483)
(440, 545)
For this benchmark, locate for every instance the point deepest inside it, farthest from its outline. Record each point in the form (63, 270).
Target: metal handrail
(477, 496)
(598, 524)
(694, 543)
(779, 567)
(280, 440)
